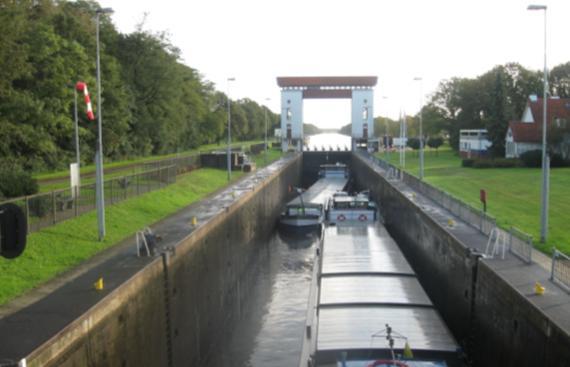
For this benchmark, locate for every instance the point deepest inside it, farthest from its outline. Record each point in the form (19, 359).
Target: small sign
(74, 179)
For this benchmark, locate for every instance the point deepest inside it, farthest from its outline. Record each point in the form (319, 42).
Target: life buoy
(362, 218)
(341, 218)
(387, 362)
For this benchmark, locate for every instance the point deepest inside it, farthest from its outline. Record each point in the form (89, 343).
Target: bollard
(98, 285)
(538, 289)
(194, 221)
(450, 222)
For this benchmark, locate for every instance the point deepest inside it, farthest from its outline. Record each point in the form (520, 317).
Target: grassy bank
(513, 194)
(55, 249)
(128, 162)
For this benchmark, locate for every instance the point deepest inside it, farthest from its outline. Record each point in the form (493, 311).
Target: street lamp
(421, 128)
(229, 130)
(267, 100)
(545, 160)
(386, 138)
(99, 192)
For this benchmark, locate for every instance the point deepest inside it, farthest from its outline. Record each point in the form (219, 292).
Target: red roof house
(526, 134)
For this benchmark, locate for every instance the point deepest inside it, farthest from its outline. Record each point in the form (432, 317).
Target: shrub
(491, 163)
(483, 163)
(556, 160)
(15, 182)
(532, 158)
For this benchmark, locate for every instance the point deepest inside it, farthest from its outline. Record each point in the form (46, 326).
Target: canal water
(270, 326)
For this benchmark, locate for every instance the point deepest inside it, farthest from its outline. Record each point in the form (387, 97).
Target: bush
(556, 160)
(15, 182)
(532, 158)
(491, 163)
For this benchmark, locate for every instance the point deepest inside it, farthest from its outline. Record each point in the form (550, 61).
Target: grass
(513, 194)
(56, 249)
(91, 168)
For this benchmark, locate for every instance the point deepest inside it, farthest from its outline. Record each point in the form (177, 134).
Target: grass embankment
(513, 194)
(120, 168)
(129, 162)
(53, 250)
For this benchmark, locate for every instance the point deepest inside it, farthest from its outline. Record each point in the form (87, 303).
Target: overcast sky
(257, 40)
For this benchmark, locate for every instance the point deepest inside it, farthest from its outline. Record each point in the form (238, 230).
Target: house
(526, 134)
(473, 143)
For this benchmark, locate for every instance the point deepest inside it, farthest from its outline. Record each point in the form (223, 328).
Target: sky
(256, 41)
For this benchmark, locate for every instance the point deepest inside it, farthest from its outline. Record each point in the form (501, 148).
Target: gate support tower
(295, 89)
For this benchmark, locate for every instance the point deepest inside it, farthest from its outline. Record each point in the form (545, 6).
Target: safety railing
(44, 210)
(560, 272)
(519, 243)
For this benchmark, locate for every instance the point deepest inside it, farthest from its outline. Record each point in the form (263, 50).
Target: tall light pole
(229, 129)
(545, 161)
(76, 120)
(421, 128)
(99, 191)
(387, 139)
(265, 159)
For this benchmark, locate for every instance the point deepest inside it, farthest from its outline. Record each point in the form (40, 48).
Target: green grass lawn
(91, 168)
(513, 194)
(53, 250)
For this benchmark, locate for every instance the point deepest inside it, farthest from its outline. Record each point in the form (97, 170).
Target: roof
(327, 81)
(557, 108)
(525, 132)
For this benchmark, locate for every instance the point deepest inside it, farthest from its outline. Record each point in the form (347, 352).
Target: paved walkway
(29, 321)
(555, 302)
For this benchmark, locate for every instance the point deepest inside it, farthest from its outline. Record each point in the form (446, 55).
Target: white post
(421, 129)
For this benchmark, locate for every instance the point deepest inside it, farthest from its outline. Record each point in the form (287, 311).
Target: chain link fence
(44, 210)
(560, 272)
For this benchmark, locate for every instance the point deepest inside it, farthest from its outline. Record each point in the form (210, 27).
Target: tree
(435, 143)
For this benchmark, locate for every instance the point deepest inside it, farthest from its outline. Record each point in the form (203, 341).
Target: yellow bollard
(194, 221)
(450, 222)
(98, 285)
(538, 289)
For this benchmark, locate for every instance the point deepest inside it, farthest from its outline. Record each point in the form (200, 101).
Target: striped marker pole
(82, 87)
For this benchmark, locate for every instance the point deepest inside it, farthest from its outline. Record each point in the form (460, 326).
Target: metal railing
(44, 210)
(520, 243)
(560, 272)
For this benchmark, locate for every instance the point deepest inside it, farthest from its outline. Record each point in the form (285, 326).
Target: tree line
(488, 101)
(152, 102)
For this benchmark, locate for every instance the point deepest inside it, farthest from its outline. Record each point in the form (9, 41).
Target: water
(270, 328)
(327, 140)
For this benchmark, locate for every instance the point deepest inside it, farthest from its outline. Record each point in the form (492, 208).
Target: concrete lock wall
(173, 312)
(497, 324)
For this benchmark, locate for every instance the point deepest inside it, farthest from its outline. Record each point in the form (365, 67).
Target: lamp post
(387, 139)
(99, 192)
(545, 160)
(229, 130)
(265, 158)
(421, 128)
(76, 118)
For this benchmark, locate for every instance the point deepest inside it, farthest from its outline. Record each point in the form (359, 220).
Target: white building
(473, 143)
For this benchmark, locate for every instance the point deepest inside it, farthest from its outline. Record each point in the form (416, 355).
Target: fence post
(27, 203)
(554, 254)
(111, 189)
(530, 247)
(76, 198)
(510, 238)
(53, 206)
